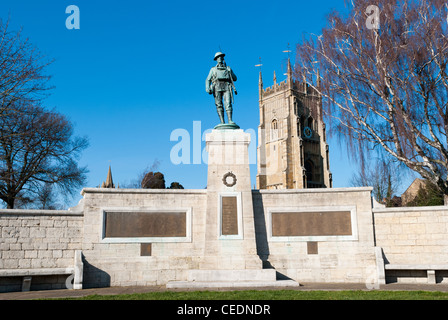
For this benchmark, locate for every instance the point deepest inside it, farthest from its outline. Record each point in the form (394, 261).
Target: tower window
(310, 122)
(274, 129)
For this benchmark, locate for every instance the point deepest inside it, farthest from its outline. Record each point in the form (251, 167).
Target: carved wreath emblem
(229, 179)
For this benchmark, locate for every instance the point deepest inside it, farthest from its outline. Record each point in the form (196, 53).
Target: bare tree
(37, 147)
(22, 70)
(383, 176)
(385, 88)
(46, 198)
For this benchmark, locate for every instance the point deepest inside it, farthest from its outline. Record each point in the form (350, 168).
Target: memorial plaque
(145, 224)
(145, 249)
(229, 216)
(328, 223)
(312, 247)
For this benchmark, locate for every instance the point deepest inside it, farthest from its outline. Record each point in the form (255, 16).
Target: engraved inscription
(229, 216)
(330, 223)
(145, 224)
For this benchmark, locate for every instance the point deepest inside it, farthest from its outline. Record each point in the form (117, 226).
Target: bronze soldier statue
(220, 83)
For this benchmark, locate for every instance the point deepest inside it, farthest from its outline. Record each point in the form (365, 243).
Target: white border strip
(239, 216)
(353, 217)
(187, 238)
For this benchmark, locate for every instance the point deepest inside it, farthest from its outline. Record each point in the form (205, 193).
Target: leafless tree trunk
(386, 88)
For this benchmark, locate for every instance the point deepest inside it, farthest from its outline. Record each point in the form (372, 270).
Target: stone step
(264, 275)
(230, 284)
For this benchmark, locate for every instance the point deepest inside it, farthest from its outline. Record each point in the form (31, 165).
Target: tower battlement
(289, 83)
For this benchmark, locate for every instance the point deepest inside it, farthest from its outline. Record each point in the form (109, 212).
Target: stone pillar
(229, 224)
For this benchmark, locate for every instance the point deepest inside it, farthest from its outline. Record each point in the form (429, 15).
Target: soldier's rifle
(232, 83)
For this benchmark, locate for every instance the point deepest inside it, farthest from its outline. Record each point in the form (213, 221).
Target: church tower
(292, 149)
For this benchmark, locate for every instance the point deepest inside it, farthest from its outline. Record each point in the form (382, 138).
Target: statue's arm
(233, 74)
(208, 82)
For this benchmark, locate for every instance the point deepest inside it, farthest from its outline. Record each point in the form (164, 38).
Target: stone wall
(318, 258)
(343, 252)
(127, 262)
(33, 239)
(413, 236)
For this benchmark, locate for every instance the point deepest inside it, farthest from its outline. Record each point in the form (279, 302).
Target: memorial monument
(226, 235)
(230, 252)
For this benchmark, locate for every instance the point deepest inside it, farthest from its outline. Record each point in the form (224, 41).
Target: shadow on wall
(261, 235)
(94, 277)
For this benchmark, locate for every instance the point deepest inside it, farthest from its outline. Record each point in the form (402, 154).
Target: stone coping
(204, 191)
(409, 209)
(143, 191)
(27, 212)
(233, 135)
(416, 266)
(314, 190)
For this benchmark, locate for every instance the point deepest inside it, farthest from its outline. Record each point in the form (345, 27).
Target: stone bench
(76, 271)
(430, 269)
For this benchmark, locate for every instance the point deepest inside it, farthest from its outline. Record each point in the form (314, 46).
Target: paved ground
(127, 290)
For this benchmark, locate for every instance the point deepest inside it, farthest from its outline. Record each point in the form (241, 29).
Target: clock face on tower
(307, 132)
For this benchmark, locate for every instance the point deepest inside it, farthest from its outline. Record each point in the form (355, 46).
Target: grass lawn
(276, 295)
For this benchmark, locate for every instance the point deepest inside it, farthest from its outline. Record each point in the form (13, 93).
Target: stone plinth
(229, 224)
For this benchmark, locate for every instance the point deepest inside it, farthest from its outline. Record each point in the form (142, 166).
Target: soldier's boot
(220, 114)
(229, 116)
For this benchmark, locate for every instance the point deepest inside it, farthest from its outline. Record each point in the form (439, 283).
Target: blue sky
(135, 71)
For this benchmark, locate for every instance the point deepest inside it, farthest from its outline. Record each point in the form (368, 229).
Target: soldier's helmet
(218, 54)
